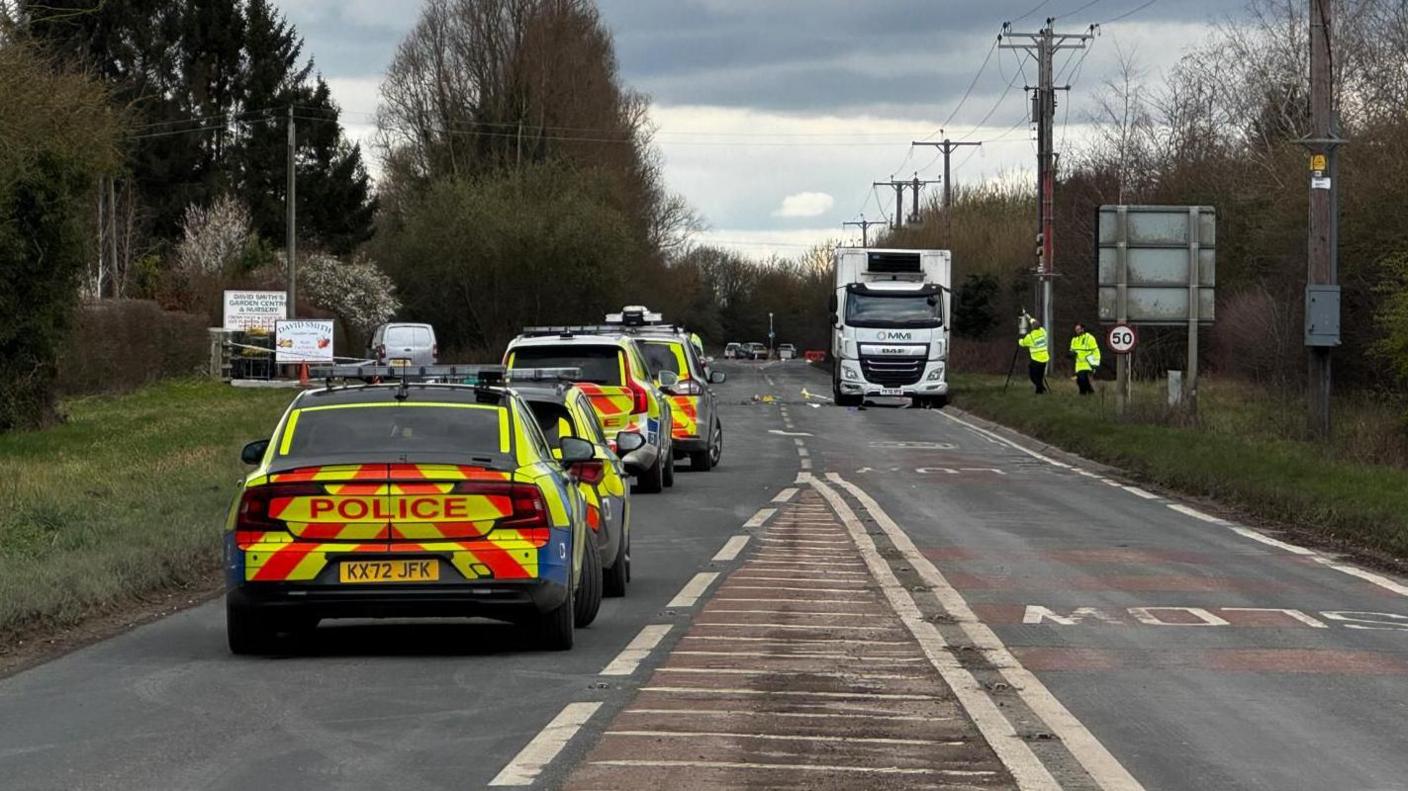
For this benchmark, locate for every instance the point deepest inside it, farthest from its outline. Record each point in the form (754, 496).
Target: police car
(617, 381)
(412, 498)
(563, 410)
(673, 355)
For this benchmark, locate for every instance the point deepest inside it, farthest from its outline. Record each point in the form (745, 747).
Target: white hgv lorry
(890, 317)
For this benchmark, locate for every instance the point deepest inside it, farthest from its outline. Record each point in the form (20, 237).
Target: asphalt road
(1075, 632)
(440, 705)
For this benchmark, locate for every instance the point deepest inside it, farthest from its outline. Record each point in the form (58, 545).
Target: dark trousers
(1083, 381)
(1037, 371)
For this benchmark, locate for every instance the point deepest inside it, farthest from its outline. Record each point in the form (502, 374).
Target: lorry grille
(892, 371)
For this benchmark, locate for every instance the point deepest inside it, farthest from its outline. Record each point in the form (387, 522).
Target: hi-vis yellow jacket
(1035, 342)
(1087, 352)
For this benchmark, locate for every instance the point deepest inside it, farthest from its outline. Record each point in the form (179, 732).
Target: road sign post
(1121, 339)
(1156, 266)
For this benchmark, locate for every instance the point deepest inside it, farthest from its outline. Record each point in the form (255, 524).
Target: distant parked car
(786, 351)
(757, 351)
(733, 351)
(404, 344)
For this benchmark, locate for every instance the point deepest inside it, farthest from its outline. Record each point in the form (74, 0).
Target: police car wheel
(615, 578)
(247, 630)
(708, 458)
(667, 473)
(653, 480)
(588, 601)
(555, 631)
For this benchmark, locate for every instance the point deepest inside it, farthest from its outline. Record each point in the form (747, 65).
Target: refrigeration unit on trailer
(890, 317)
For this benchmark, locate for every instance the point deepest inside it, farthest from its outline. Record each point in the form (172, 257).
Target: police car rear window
(600, 364)
(661, 357)
(409, 430)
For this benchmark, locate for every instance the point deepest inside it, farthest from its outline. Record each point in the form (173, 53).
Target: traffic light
(1040, 250)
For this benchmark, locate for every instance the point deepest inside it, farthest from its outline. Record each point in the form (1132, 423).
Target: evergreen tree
(211, 82)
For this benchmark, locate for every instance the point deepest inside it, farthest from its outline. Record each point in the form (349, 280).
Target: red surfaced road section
(796, 674)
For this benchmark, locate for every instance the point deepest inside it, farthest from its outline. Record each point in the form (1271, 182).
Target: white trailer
(890, 314)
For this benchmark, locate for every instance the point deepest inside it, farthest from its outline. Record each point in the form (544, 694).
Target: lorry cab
(890, 325)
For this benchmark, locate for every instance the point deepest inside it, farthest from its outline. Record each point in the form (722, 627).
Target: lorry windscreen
(893, 310)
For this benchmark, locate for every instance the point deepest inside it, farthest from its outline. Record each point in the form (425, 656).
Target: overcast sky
(775, 116)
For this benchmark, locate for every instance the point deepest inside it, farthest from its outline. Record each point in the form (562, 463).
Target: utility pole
(947, 147)
(1322, 272)
(291, 203)
(918, 185)
(899, 199)
(864, 229)
(1043, 45)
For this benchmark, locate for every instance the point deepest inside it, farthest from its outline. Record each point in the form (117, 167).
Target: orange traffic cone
(303, 374)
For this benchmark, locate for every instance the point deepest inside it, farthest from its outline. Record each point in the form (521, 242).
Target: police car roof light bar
(568, 330)
(544, 374)
(481, 374)
(635, 316)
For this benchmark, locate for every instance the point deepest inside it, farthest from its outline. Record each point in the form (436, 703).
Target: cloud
(805, 204)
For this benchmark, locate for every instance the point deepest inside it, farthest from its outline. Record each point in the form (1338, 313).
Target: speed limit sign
(1122, 338)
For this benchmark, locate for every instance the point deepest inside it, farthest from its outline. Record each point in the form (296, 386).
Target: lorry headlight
(936, 374)
(850, 373)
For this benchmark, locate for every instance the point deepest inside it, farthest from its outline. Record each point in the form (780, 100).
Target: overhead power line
(1078, 10)
(1130, 12)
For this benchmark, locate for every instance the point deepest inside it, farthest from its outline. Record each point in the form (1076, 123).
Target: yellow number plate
(401, 362)
(357, 571)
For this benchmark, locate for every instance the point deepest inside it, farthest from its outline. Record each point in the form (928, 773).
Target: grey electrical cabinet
(1322, 315)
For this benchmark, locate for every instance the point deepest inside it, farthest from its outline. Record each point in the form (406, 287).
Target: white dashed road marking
(693, 589)
(528, 764)
(637, 650)
(731, 548)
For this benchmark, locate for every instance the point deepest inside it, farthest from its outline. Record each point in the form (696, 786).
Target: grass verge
(1235, 456)
(127, 498)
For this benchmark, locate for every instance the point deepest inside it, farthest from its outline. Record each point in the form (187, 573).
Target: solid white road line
(693, 589)
(999, 733)
(530, 761)
(1239, 530)
(731, 548)
(1367, 576)
(1102, 766)
(784, 495)
(637, 650)
(995, 437)
(757, 520)
(1344, 568)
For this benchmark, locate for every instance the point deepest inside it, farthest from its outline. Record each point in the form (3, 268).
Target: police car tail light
(688, 387)
(591, 472)
(640, 399)
(255, 504)
(530, 511)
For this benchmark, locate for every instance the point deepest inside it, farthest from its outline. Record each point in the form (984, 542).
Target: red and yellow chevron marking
(510, 556)
(685, 416)
(612, 404)
(296, 561)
